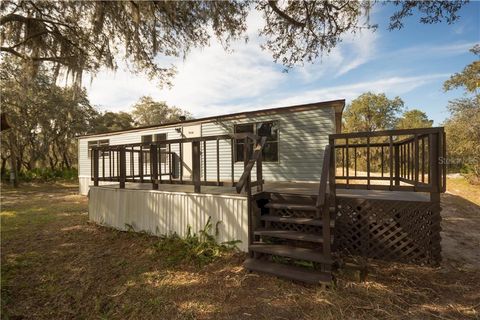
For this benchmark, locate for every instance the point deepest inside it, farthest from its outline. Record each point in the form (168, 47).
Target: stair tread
(292, 235)
(309, 221)
(289, 272)
(291, 252)
(291, 206)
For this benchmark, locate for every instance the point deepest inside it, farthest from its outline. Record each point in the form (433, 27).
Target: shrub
(199, 249)
(44, 174)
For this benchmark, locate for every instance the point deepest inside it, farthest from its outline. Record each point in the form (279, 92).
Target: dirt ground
(57, 265)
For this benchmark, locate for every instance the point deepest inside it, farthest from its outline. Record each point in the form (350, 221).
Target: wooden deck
(300, 188)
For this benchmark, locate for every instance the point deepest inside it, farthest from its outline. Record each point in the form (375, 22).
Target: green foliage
(150, 112)
(198, 249)
(88, 35)
(414, 119)
(112, 121)
(463, 125)
(44, 174)
(463, 136)
(372, 112)
(44, 118)
(469, 78)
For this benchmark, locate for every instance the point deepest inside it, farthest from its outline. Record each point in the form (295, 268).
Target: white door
(193, 131)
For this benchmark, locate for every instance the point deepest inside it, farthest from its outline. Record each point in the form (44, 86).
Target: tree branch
(273, 5)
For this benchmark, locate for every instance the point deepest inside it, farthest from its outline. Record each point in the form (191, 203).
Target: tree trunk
(13, 160)
(4, 166)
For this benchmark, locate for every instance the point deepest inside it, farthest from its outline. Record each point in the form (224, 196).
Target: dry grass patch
(57, 265)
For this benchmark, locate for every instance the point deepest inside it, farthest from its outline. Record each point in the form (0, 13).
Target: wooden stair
(291, 252)
(290, 234)
(288, 272)
(289, 238)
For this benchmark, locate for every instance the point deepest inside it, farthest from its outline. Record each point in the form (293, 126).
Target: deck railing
(163, 162)
(407, 160)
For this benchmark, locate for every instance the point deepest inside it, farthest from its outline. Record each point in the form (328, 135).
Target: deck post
(123, 166)
(434, 167)
(95, 166)
(140, 164)
(154, 166)
(260, 172)
(196, 165)
(332, 173)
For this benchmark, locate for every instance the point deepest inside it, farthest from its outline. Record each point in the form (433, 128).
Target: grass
(197, 248)
(57, 265)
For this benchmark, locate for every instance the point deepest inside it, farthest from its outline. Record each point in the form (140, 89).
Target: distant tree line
(374, 112)
(45, 119)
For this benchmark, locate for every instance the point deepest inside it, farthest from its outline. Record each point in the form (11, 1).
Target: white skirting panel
(163, 212)
(84, 184)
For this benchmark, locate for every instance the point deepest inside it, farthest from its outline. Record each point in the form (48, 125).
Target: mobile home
(284, 181)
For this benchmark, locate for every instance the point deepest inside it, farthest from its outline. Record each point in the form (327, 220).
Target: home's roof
(337, 104)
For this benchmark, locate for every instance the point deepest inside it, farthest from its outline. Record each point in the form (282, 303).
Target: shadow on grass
(70, 268)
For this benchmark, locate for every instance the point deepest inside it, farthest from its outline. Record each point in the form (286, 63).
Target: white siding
(161, 212)
(302, 138)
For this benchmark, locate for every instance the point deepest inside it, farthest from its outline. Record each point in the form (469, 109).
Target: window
(98, 143)
(162, 147)
(267, 129)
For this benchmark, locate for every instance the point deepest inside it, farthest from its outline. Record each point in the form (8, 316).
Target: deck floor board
(300, 188)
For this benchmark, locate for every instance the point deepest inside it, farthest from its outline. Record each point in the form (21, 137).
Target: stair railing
(323, 206)
(245, 178)
(322, 190)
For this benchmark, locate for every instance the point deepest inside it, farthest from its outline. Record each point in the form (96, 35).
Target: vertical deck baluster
(409, 155)
(159, 159)
(423, 159)
(233, 161)
(343, 161)
(390, 156)
(110, 164)
(103, 165)
(132, 164)
(368, 162)
(416, 159)
(348, 162)
(381, 159)
(205, 160)
(218, 162)
(170, 162)
(355, 159)
(181, 162)
(140, 164)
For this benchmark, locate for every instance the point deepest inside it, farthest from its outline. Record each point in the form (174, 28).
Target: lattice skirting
(403, 231)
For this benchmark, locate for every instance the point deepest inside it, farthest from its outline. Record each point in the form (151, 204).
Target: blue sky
(411, 63)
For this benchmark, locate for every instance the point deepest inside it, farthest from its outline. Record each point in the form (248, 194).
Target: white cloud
(212, 77)
(391, 86)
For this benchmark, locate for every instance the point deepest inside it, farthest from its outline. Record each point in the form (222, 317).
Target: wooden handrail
(248, 167)
(397, 132)
(322, 190)
(407, 159)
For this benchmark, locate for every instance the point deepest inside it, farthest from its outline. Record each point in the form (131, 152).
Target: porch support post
(260, 171)
(154, 166)
(123, 167)
(434, 173)
(196, 165)
(95, 166)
